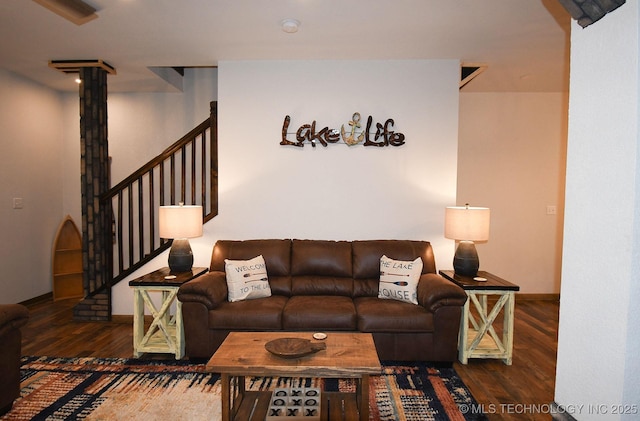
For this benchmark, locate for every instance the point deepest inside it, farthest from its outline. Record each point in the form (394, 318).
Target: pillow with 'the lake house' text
(399, 279)
(247, 279)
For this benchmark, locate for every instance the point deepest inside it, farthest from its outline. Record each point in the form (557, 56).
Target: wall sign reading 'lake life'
(353, 134)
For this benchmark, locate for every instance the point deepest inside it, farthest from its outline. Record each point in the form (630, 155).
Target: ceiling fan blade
(75, 11)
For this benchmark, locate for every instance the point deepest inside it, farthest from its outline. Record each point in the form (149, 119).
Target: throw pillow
(399, 279)
(247, 279)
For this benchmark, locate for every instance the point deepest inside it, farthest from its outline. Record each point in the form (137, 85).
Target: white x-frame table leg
(481, 340)
(165, 334)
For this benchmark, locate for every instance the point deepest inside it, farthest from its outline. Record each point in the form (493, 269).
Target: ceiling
(523, 42)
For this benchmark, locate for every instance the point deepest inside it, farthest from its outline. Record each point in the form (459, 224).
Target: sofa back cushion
(321, 267)
(276, 253)
(366, 261)
(321, 257)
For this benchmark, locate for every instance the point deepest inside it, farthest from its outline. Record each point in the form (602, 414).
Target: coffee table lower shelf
(339, 406)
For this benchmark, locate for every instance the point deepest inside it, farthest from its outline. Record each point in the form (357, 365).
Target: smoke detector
(290, 26)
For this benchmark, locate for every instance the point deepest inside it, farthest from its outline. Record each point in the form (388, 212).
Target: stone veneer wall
(96, 256)
(95, 308)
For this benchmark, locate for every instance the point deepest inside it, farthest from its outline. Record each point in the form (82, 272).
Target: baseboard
(37, 300)
(537, 297)
(128, 319)
(122, 319)
(558, 413)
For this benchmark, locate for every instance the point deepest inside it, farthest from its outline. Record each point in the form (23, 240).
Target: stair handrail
(202, 144)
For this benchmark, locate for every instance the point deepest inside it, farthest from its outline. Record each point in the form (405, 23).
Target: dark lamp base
(180, 256)
(465, 261)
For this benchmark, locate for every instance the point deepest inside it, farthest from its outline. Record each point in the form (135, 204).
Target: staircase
(186, 172)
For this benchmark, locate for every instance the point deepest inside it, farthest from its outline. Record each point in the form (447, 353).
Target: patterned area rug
(127, 389)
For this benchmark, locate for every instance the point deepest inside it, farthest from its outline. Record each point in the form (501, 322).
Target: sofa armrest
(209, 289)
(12, 316)
(434, 291)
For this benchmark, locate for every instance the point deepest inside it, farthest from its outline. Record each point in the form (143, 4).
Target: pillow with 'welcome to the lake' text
(247, 279)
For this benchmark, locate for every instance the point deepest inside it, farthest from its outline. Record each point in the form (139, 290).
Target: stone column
(94, 182)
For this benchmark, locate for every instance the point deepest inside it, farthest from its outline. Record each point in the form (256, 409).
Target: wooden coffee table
(347, 355)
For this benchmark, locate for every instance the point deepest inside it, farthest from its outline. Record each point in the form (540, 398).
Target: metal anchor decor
(383, 135)
(354, 123)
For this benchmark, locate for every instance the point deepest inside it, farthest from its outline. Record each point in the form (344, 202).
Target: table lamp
(180, 223)
(466, 224)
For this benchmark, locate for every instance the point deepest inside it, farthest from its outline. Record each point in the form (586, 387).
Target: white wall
(71, 201)
(141, 125)
(338, 192)
(370, 182)
(40, 162)
(599, 332)
(31, 168)
(511, 158)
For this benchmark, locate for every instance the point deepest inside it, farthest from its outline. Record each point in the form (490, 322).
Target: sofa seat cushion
(377, 315)
(319, 312)
(260, 313)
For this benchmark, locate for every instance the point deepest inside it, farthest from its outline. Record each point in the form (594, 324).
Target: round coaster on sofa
(319, 336)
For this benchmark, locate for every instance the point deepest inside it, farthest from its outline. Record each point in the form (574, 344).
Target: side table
(165, 334)
(480, 340)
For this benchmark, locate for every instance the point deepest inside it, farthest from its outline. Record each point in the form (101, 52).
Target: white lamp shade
(467, 223)
(180, 221)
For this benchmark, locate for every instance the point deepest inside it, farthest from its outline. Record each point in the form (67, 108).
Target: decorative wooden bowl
(293, 347)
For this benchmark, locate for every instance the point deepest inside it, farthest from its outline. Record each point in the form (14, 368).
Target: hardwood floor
(521, 391)
(51, 331)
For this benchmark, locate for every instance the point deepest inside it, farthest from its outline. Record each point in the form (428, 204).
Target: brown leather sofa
(12, 318)
(326, 286)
